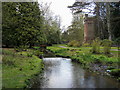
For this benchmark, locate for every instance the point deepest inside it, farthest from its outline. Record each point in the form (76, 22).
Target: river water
(63, 73)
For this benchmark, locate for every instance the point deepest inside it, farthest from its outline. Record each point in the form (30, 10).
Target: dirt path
(63, 47)
(115, 50)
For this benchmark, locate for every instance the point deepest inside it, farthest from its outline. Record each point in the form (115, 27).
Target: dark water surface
(63, 73)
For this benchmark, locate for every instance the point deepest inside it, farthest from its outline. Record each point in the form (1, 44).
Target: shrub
(77, 44)
(86, 45)
(107, 46)
(71, 43)
(21, 48)
(29, 54)
(96, 46)
(74, 43)
(37, 53)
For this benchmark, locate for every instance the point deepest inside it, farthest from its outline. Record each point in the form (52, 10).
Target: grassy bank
(18, 68)
(100, 63)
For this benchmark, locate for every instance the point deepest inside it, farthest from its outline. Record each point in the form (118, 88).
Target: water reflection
(62, 73)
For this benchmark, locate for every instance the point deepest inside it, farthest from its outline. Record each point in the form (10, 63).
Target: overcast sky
(59, 7)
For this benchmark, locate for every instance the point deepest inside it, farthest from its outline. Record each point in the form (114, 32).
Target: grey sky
(59, 7)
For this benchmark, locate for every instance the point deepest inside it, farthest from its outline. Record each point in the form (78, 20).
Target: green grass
(36, 47)
(18, 68)
(87, 49)
(83, 55)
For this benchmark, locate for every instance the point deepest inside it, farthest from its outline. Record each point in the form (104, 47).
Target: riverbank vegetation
(106, 64)
(19, 68)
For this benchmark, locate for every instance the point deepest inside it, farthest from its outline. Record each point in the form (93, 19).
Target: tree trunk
(98, 17)
(108, 21)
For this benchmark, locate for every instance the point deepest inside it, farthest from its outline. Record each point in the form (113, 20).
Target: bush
(86, 45)
(21, 48)
(107, 46)
(29, 54)
(77, 44)
(74, 43)
(37, 53)
(96, 46)
(71, 43)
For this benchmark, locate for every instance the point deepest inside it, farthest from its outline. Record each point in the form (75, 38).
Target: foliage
(37, 52)
(74, 31)
(71, 43)
(74, 43)
(107, 46)
(96, 46)
(65, 37)
(86, 45)
(29, 54)
(36, 47)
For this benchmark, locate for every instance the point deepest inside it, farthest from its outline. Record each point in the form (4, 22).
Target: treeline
(25, 24)
(75, 32)
(107, 21)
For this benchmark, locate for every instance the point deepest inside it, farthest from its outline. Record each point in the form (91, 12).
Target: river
(63, 73)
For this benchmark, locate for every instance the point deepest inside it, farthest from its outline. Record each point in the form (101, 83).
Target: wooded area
(26, 24)
(33, 24)
(106, 15)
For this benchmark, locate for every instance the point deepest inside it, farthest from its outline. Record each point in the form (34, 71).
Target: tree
(52, 24)
(75, 31)
(22, 24)
(115, 20)
(108, 21)
(9, 24)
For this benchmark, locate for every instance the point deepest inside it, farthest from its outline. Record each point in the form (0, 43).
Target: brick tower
(89, 29)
